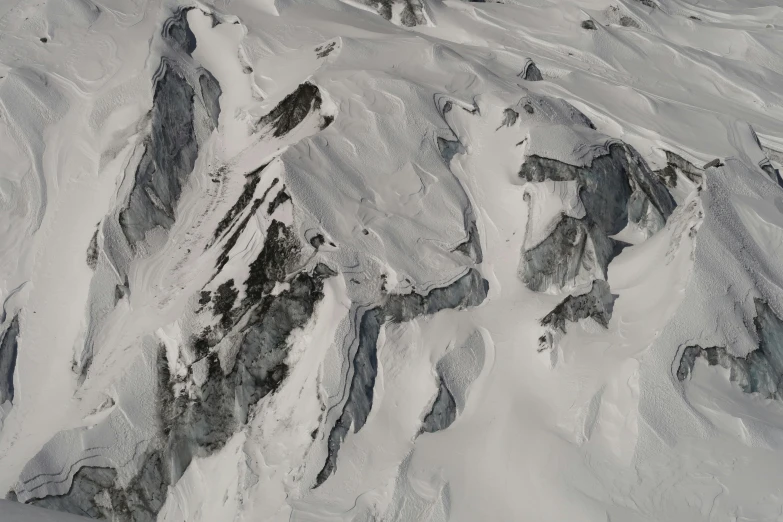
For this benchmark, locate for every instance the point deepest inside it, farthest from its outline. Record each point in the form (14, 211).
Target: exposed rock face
(169, 156)
(531, 72)
(96, 494)
(8, 352)
(616, 190)
(597, 303)
(575, 247)
(182, 91)
(443, 412)
(360, 393)
(251, 182)
(292, 110)
(177, 33)
(92, 251)
(472, 246)
(469, 290)
(232, 240)
(761, 371)
(412, 13)
(589, 25)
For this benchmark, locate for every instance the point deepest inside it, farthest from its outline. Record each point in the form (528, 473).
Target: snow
(594, 427)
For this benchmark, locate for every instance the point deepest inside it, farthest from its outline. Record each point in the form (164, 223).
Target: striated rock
(170, 153)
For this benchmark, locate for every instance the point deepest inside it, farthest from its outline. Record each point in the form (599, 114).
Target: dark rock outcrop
(761, 371)
(8, 354)
(618, 188)
(472, 246)
(575, 246)
(589, 25)
(675, 162)
(181, 91)
(597, 303)
(176, 32)
(412, 13)
(94, 493)
(292, 110)
(169, 157)
(251, 182)
(360, 394)
(92, 251)
(467, 291)
(443, 412)
(531, 72)
(232, 240)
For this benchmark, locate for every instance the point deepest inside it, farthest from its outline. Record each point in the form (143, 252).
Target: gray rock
(589, 25)
(412, 13)
(598, 304)
(627, 21)
(94, 493)
(761, 371)
(449, 148)
(531, 72)
(443, 412)
(510, 117)
(616, 188)
(169, 156)
(210, 93)
(292, 110)
(176, 32)
(714, 163)
(564, 255)
(472, 246)
(92, 251)
(469, 290)
(360, 394)
(8, 354)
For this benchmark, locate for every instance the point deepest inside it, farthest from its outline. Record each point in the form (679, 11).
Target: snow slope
(391, 260)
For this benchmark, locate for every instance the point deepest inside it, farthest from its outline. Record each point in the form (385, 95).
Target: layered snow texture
(390, 260)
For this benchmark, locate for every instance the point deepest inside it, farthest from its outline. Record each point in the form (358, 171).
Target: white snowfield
(391, 260)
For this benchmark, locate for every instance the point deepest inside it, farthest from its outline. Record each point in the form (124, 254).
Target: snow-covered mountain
(391, 260)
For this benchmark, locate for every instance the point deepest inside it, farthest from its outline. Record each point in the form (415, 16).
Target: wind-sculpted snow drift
(391, 260)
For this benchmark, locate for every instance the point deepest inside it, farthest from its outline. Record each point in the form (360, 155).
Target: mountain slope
(391, 260)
